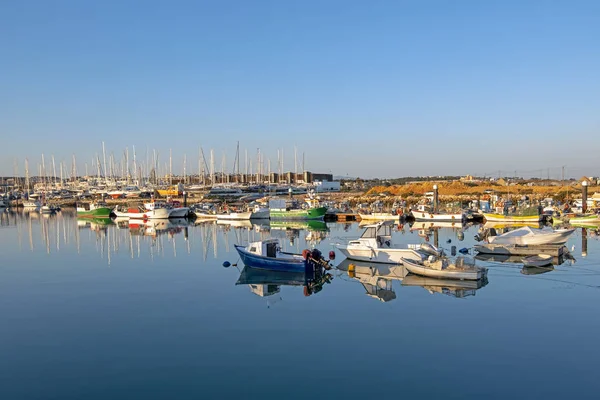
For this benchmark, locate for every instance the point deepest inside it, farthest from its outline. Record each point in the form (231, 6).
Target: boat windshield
(369, 233)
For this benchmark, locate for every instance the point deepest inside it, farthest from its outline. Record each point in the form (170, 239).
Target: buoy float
(305, 253)
(226, 264)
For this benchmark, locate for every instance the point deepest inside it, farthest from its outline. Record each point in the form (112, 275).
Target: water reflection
(266, 283)
(377, 280)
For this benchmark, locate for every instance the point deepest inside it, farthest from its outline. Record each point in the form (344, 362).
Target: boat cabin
(376, 235)
(265, 248)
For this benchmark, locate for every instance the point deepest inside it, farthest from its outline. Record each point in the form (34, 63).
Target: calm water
(93, 311)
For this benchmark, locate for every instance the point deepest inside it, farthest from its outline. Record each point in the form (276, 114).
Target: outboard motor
(431, 250)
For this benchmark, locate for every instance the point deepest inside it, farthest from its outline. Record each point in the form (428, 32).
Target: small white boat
(202, 214)
(375, 245)
(378, 216)
(173, 211)
(425, 213)
(235, 215)
(434, 267)
(539, 260)
(531, 236)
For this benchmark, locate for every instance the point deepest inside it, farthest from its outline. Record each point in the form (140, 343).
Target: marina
(183, 259)
(299, 200)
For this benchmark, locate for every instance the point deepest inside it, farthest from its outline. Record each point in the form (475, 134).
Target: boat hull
(317, 213)
(235, 216)
(101, 212)
(385, 256)
(159, 213)
(492, 217)
(378, 217)
(556, 237)
(586, 220)
(436, 217)
(449, 273)
(270, 263)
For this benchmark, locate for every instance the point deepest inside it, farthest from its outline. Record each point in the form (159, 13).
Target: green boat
(93, 210)
(315, 213)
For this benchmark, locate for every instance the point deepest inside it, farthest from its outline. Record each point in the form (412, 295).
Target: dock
(522, 250)
(343, 217)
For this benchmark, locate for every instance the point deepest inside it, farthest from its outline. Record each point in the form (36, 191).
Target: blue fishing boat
(267, 254)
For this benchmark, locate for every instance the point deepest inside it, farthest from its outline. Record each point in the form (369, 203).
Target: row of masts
(108, 170)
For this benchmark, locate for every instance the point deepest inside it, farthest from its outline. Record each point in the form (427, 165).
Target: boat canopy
(267, 248)
(383, 228)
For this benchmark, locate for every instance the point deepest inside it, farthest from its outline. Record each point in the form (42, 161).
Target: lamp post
(435, 198)
(584, 193)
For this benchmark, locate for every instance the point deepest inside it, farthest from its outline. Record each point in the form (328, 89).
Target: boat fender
(305, 253)
(332, 255)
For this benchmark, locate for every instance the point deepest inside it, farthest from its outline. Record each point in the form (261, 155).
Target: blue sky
(379, 88)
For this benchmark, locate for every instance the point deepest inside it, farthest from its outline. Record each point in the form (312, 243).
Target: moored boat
(434, 267)
(93, 210)
(375, 245)
(495, 217)
(531, 236)
(426, 213)
(140, 213)
(378, 216)
(267, 254)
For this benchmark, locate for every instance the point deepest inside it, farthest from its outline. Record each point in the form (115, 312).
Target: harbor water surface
(92, 310)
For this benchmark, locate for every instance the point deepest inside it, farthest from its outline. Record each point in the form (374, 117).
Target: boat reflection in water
(449, 287)
(377, 280)
(268, 283)
(153, 227)
(94, 224)
(316, 230)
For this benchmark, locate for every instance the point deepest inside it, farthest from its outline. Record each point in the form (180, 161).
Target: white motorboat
(539, 260)
(435, 267)
(174, 211)
(426, 213)
(531, 236)
(375, 245)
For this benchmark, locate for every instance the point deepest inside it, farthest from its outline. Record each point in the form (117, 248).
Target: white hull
(378, 217)
(203, 215)
(180, 212)
(32, 204)
(235, 216)
(531, 237)
(159, 213)
(431, 217)
(387, 256)
(471, 274)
